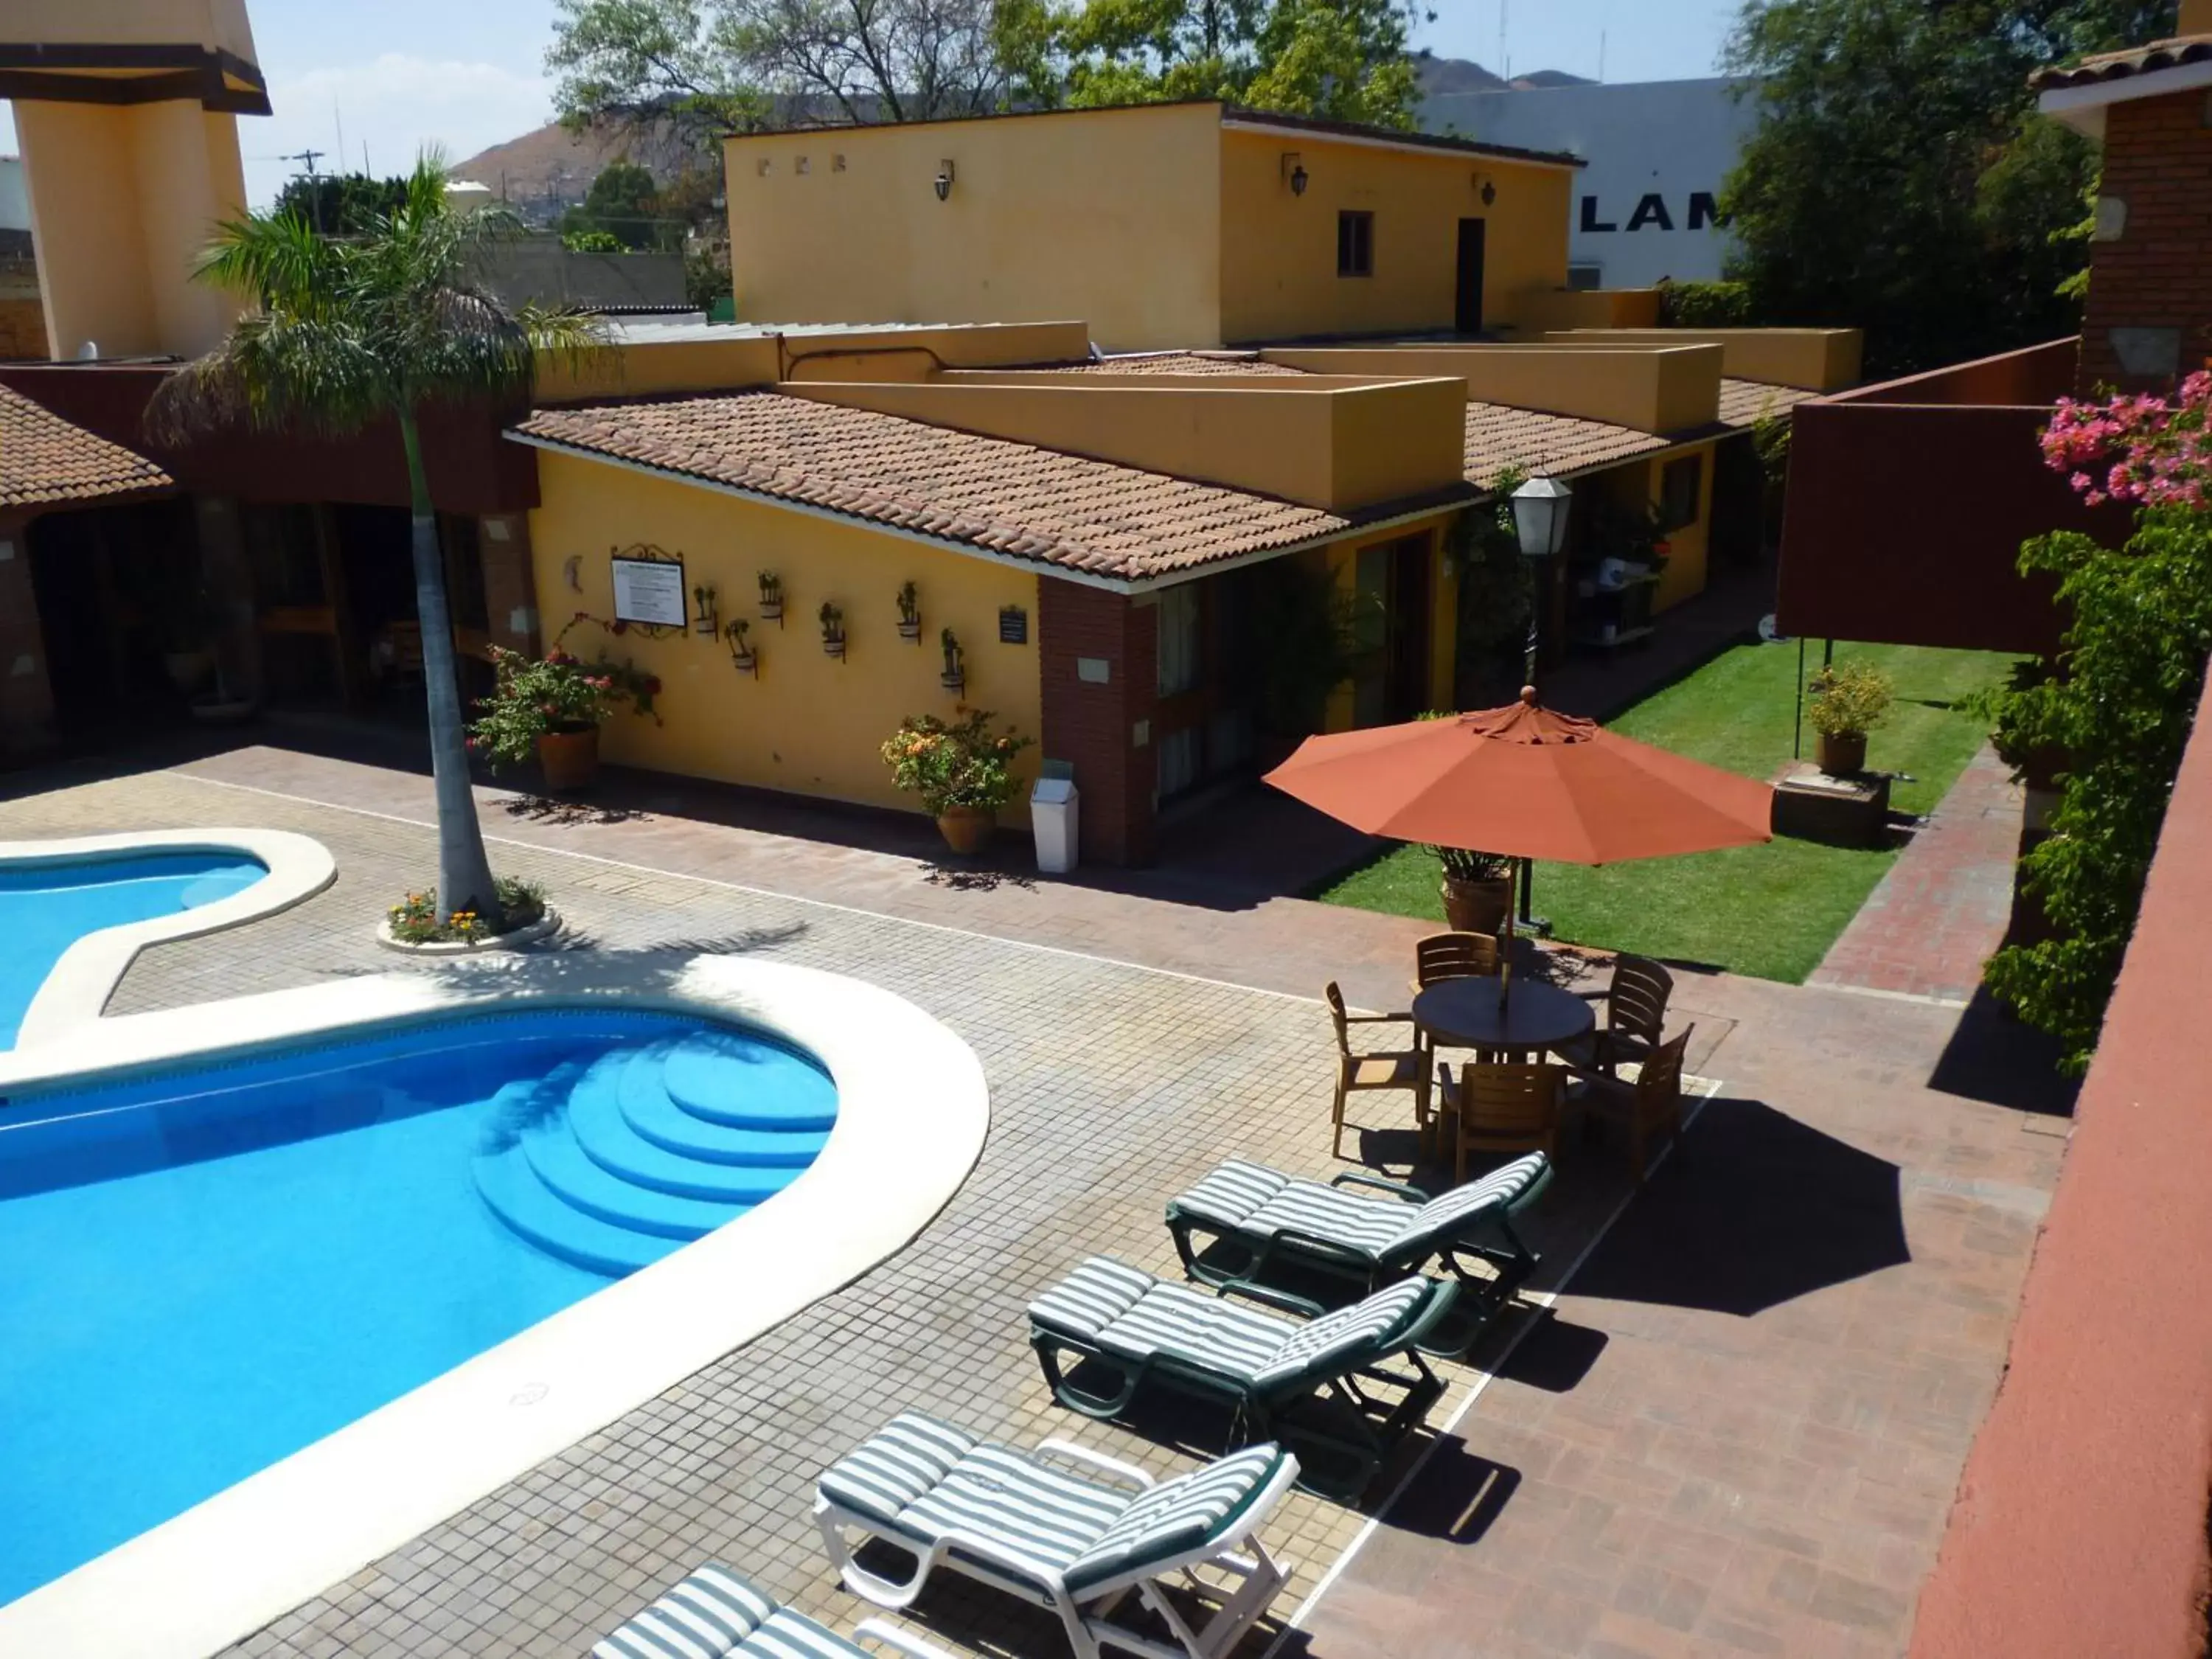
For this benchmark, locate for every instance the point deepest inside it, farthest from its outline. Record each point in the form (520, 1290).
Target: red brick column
(2155, 276)
(26, 699)
(1097, 656)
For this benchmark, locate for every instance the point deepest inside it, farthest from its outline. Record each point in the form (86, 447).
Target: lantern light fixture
(1294, 172)
(943, 183)
(1539, 516)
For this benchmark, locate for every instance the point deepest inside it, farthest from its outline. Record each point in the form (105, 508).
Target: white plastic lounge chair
(1066, 1541)
(716, 1614)
(1255, 1222)
(1289, 1379)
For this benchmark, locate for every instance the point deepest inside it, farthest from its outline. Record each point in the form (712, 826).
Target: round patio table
(1464, 1014)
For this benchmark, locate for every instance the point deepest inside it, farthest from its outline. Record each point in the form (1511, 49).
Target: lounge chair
(1271, 1221)
(1278, 1376)
(1067, 1541)
(715, 1613)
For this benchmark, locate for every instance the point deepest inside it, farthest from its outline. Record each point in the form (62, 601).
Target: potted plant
(551, 708)
(909, 610)
(1478, 889)
(955, 676)
(833, 631)
(771, 598)
(962, 771)
(1849, 700)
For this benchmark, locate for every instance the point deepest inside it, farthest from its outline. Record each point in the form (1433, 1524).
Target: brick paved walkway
(1940, 911)
(1114, 1084)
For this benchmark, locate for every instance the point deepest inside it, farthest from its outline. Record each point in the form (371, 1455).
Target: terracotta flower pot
(1841, 754)
(967, 830)
(570, 759)
(1477, 907)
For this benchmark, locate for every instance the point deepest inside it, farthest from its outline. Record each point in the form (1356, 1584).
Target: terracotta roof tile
(45, 460)
(2121, 65)
(1743, 402)
(1010, 498)
(1499, 436)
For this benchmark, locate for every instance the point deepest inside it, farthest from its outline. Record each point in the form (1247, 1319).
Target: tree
(1341, 59)
(622, 203)
(743, 66)
(340, 204)
(343, 334)
(1898, 177)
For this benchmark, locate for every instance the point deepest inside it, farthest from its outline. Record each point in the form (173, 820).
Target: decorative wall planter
(569, 760)
(909, 609)
(771, 598)
(708, 621)
(954, 678)
(967, 830)
(833, 631)
(743, 657)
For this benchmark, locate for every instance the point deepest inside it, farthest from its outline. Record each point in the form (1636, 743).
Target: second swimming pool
(212, 1267)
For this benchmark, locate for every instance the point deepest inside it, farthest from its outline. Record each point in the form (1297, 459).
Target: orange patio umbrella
(1527, 783)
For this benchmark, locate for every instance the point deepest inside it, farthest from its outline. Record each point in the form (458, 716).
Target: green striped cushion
(789, 1635)
(1246, 1198)
(1350, 1336)
(1232, 1193)
(709, 1615)
(1131, 1315)
(1177, 1517)
(1501, 1189)
(898, 1464)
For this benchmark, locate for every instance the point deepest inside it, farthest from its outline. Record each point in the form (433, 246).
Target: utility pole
(306, 159)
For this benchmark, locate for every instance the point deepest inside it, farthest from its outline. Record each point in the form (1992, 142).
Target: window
(1679, 486)
(1179, 648)
(1355, 245)
(1585, 277)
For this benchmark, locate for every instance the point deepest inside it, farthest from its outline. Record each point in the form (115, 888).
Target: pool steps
(609, 1165)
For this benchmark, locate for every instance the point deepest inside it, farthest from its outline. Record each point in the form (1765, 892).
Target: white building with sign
(1658, 151)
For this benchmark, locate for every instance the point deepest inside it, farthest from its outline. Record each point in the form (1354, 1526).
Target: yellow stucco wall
(1814, 358)
(1638, 481)
(1113, 218)
(1278, 250)
(810, 723)
(123, 201)
(1341, 560)
(1653, 388)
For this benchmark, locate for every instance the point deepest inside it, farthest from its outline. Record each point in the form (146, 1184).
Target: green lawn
(1771, 910)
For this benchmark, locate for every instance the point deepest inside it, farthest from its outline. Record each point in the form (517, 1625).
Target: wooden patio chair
(1650, 1107)
(1635, 1020)
(1503, 1109)
(1358, 1073)
(1454, 956)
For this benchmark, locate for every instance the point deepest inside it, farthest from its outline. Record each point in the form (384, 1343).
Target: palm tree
(342, 333)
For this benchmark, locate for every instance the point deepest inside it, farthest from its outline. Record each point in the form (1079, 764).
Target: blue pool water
(45, 907)
(204, 1271)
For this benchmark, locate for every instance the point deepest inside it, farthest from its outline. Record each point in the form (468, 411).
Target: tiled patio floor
(1114, 1084)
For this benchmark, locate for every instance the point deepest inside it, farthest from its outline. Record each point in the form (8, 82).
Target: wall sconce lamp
(943, 183)
(1485, 189)
(743, 657)
(1294, 173)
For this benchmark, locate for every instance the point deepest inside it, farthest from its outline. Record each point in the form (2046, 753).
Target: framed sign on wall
(649, 590)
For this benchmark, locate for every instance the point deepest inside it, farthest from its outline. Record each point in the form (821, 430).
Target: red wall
(2080, 1524)
(473, 468)
(1908, 503)
(1092, 725)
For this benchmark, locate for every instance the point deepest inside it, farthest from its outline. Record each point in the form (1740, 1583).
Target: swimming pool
(47, 905)
(212, 1267)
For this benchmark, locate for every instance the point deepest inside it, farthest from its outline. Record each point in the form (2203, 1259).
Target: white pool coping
(913, 1110)
(80, 984)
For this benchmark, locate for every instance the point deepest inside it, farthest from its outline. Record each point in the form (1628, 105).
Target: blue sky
(394, 74)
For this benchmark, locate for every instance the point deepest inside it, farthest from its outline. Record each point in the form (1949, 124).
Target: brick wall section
(23, 328)
(2158, 160)
(510, 588)
(26, 700)
(1093, 726)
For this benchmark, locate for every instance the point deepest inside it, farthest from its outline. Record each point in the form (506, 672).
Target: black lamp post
(1540, 521)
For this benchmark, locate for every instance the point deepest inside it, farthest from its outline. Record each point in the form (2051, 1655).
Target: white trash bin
(1053, 805)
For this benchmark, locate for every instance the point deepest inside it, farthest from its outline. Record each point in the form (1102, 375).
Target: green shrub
(1704, 305)
(1848, 698)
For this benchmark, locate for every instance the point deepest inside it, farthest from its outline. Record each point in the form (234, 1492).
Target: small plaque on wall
(1014, 625)
(650, 592)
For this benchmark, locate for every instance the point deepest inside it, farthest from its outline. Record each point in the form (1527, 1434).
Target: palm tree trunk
(463, 873)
